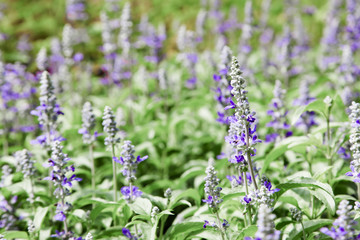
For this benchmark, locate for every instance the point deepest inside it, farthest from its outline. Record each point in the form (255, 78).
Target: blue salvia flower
(126, 232)
(26, 164)
(8, 217)
(263, 195)
(212, 194)
(354, 117)
(242, 132)
(353, 25)
(278, 114)
(108, 46)
(266, 227)
(41, 59)
(47, 112)
(187, 46)
(128, 161)
(5, 173)
(285, 53)
(110, 128)
(200, 24)
(223, 88)
(212, 191)
(307, 119)
(88, 124)
(247, 32)
(265, 8)
(68, 42)
(330, 39)
(125, 30)
(75, 10)
(344, 226)
(130, 164)
(349, 72)
(60, 176)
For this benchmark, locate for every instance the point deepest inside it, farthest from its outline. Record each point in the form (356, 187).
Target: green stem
(303, 230)
(162, 225)
(249, 156)
(114, 173)
(219, 224)
(328, 141)
(91, 155)
(247, 193)
(358, 190)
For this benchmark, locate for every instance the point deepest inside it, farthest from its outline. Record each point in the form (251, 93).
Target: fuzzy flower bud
(168, 193)
(296, 214)
(110, 128)
(88, 119)
(23, 158)
(128, 160)
(354, 117)
(212, 191)
(41, 60)
(265, 224)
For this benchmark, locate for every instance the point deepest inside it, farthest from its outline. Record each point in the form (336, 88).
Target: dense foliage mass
(180, 119)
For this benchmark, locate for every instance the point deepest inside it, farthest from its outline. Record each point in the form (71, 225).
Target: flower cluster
(278, 114)
(8, 217)
(75, 10)
(129, 162)
(261, 196)
(110, 128)
(266, 227)
(88, 124)
(223, 89)
(344, 225)
(307, 119)
(25, 163)
(354, 117)
(212, 190)
(47, 112)
(242, 134)
(59, 176)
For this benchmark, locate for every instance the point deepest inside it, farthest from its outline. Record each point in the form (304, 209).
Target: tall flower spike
(23, 158)
(110, 128)
(63, 181)
(125, 30)
(265, 224)
(343, 226)
(88, 124)
(41, 59)
(354, 117)
(266, 227)
(242, 134)
(129, 162)
(212, 191)
(278, 114)
(48, 111)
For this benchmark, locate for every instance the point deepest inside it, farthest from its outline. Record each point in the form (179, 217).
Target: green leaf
(326, 198)
(317, 106)
(141, 206)
(182, 229)
(189, 193)
(15, 235)
(39, 217)
(309, 226)
(303, 182)
(249, 231)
